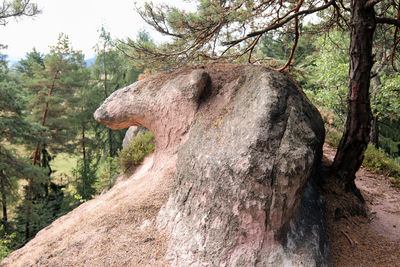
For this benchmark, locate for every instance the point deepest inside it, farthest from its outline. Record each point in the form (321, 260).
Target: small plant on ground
(6, 241)
(138, 148)
(378, 161)
(332, 136)
(108, 176)
(375, 160)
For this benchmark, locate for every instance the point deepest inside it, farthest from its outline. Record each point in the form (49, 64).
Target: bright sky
(79, 19)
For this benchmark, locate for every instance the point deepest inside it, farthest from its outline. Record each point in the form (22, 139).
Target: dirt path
(372, 241)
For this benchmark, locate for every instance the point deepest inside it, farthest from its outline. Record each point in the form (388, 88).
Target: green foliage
(138, 148)
(48, 204)
(278, 46)
(14, 130)
(16, 8)
(327, 81)
(387, 101)
(332, 137)
(111, 71)
(107, 179)
(378, 161)
(86, 177)
(375, 160)
(6, 241)
(51, 82)
(58, 87)
(327, 74)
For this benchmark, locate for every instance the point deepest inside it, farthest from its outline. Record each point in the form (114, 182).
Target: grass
(378, 161)
(375, 160)
(63, 164)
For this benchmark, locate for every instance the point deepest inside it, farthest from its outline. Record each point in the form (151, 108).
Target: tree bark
(374, 135)
(4, 199)
(83, 146)
(46, 110)
(110, 143)
(350, 153)
(28, 210)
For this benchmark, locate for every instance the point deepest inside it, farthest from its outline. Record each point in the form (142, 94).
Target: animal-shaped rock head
(165, 104)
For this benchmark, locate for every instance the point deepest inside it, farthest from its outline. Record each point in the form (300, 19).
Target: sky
(79, 19)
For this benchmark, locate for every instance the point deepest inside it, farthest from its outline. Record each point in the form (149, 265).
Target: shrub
(138, 148)
(5, 243)
(110, 172)
(379, 162)
(375, 160)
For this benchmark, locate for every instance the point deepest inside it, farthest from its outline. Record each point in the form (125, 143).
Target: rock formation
(236, 150)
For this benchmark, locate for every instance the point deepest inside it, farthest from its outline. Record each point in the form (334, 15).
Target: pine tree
(15, 130)
(110, 72)
(84, 103)
(16, 8)
(51, 81)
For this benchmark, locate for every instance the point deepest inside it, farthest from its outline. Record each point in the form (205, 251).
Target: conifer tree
(17, 8)
(14, 130)
(52, 82)
(84, 103)
(111, 71)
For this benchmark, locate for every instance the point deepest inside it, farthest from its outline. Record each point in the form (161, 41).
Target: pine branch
(281, 23)
(386, 20)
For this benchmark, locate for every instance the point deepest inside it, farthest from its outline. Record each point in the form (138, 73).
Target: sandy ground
(114, 229)
(371, 241)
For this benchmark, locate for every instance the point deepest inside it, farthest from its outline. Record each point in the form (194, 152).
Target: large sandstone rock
(236, 148)
(242, 173)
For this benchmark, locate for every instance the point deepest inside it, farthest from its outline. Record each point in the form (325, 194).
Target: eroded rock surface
(241, 143)
(242, 173)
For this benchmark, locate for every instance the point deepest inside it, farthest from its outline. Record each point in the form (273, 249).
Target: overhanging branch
(372, 3)
(386, 20)
(281, 23)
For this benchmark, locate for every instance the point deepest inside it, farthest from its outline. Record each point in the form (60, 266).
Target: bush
(110, 172)
(379, 162)
(138, 148)
(375, 160)
(6, 243)
(332, 137)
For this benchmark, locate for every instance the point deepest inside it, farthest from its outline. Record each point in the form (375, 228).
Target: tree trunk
(110, 143)
(35, 158)
(83, 146)
(350, 153)
(4, 199)
(28, 210)
(374, 135)
(46, 110)
(378, 71)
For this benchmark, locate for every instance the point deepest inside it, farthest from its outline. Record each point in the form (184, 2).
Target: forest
(55, 156)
